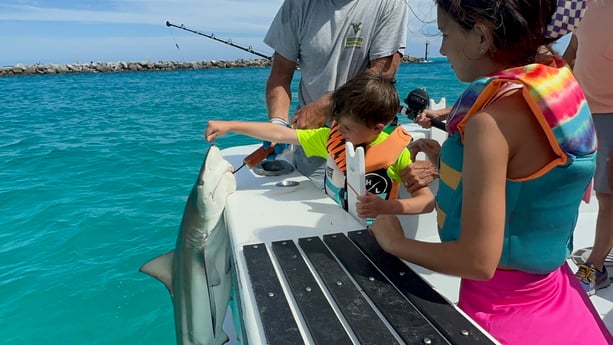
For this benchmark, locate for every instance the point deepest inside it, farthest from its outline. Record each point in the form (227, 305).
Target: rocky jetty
(105, 67)
(411, 59)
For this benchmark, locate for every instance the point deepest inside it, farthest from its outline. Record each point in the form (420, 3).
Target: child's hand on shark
(214, 129)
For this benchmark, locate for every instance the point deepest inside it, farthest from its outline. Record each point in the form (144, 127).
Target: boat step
(348, 290)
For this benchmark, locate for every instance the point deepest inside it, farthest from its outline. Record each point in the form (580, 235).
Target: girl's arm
(476, 253)
(259, 130)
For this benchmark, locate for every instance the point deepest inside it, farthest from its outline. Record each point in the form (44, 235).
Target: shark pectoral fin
(213, 276)
(161, 268)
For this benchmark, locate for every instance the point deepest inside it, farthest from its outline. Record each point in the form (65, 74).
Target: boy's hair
(368, 99)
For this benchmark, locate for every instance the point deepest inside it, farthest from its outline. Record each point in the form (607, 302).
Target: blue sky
(69, 31)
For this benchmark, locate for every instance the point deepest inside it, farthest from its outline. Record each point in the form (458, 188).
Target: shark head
(215, 182)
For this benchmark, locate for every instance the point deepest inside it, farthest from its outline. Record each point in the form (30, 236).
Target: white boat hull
(265, 210)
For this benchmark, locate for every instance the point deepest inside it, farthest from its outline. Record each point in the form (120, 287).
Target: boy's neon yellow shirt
(315, 142)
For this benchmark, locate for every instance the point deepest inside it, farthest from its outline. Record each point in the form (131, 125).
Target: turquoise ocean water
(95, 170)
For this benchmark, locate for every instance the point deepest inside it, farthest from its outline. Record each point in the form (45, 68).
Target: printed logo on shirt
(329, 172)
(353, 42)
(378, 182)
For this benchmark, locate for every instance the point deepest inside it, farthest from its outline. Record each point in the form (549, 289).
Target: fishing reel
(416, 101)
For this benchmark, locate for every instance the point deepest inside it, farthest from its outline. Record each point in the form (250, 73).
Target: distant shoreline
(121, 66)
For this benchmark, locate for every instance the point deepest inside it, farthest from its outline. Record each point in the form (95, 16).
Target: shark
(197, 272)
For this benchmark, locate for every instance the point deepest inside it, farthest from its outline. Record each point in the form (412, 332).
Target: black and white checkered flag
(566, 18)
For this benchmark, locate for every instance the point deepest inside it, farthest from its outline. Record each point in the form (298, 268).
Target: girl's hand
(388, 231)
(430, 147)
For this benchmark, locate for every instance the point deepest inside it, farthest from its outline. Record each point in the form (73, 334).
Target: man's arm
(278, 87)
(571, 51)
(387, 65)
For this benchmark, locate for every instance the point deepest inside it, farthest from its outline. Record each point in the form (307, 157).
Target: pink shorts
(520, 308)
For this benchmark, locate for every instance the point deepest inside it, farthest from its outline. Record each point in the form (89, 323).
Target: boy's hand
(370, 205)
(215, 129)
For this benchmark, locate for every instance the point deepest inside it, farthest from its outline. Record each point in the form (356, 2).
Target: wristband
(278, 121)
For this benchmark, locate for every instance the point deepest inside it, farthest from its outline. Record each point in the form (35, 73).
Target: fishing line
(239, 168)
(423, 20)
(177, 45)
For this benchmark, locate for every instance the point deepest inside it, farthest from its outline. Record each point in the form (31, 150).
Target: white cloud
(216, 15)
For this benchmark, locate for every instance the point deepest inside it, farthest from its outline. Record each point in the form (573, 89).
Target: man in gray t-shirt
(332, 41)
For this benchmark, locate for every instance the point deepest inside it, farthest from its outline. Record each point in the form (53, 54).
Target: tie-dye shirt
(541, 209)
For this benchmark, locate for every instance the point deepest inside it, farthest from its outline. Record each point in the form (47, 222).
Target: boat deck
(347, 289)
(307, 270)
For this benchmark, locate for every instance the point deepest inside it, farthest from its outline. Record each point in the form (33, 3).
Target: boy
(360, 111)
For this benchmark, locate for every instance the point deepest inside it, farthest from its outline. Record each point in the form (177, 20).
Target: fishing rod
(228, 42)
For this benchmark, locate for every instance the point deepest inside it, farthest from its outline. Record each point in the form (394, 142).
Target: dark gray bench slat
(323, 324)
(277, 320)
(365, 323)
(412, 327)
(454, 326)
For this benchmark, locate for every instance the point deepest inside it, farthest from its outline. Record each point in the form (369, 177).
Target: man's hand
(425, 118)
(417, 175)
(312, 115)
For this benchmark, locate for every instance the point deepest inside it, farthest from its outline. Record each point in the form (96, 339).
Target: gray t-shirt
(334, 40)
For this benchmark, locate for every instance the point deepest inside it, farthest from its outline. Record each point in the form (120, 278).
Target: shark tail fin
(160, 268)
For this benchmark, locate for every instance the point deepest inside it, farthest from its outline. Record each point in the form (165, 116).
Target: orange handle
(258, 155)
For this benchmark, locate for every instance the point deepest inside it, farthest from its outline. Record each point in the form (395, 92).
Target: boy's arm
(259, 130)
(421, 201)
(372, 205)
